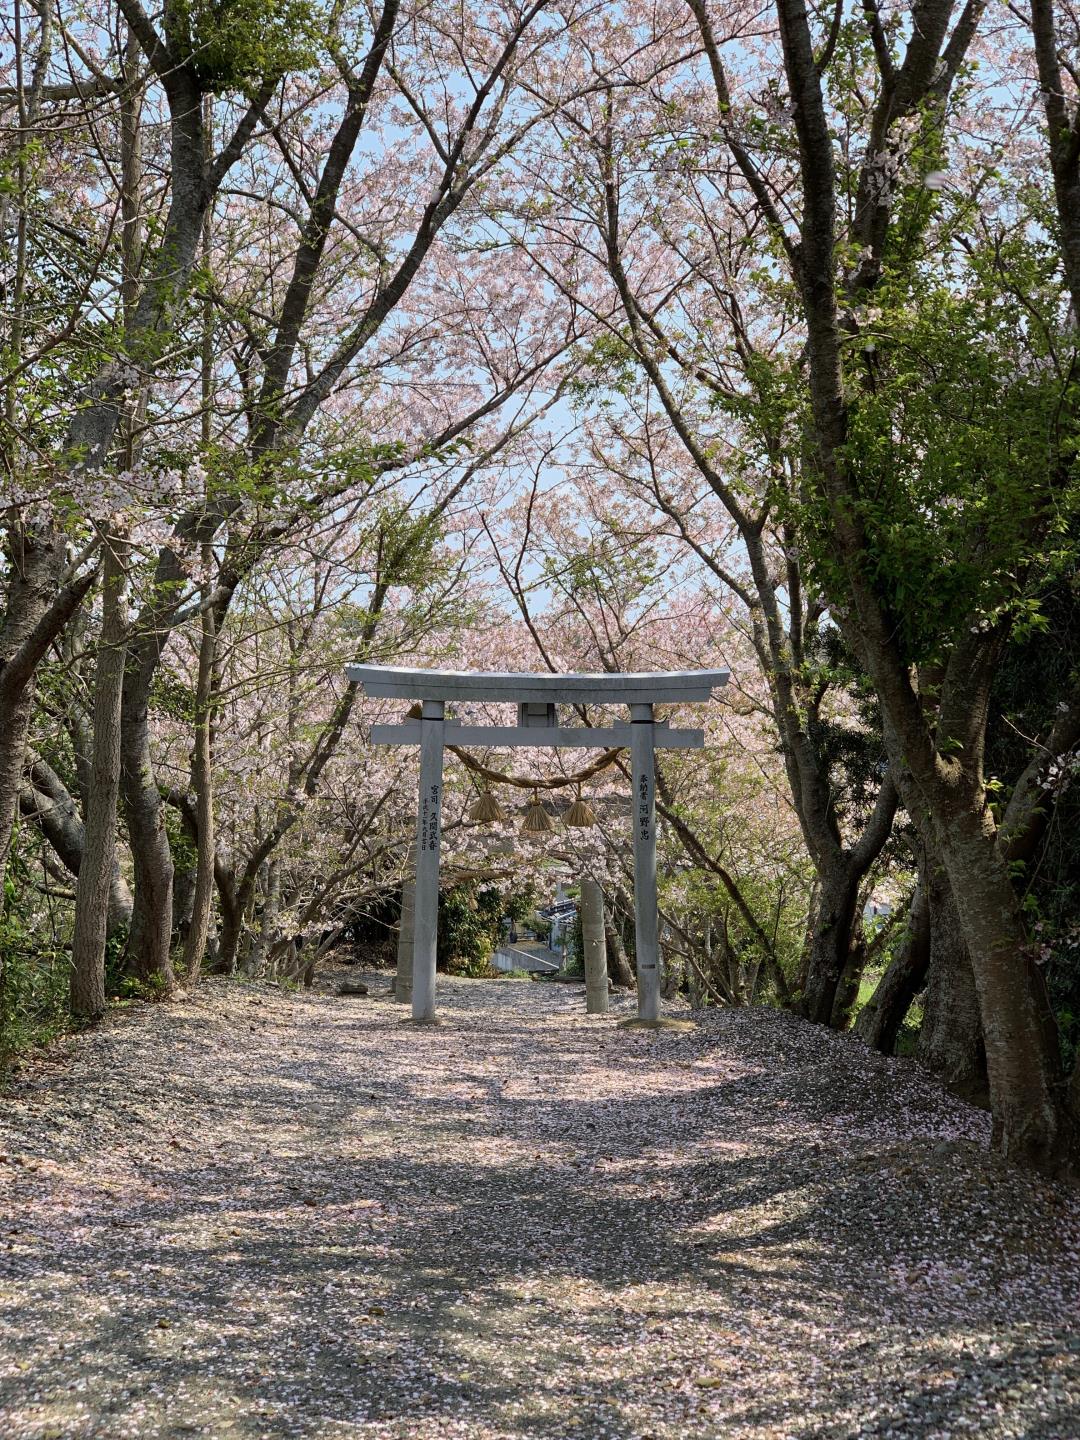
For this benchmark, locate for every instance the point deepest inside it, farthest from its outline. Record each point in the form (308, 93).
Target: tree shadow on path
(320, 1222)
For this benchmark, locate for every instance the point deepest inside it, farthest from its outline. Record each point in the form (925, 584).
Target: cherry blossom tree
(771, 292)
(600, 587)
(330, 321)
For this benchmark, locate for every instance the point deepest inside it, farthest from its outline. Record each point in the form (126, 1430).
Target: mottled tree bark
(619, 967)
(832, 938)
(879, 1021)
(228, 938)
(46, 801)
(202, 782)
(847, 989)
(263, 939)
(951, 1038)
(99, 862)
(150, 942)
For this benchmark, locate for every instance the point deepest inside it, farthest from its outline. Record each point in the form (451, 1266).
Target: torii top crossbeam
(670, 687)
(536, 696)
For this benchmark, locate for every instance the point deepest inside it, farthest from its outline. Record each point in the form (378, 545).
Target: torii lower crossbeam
(432, 732)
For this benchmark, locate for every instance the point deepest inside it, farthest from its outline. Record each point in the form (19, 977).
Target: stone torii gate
(536, 696)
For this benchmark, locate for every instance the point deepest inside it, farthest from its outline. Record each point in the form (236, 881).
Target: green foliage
(171, 697)
(412, 561)
(907, 1037)
(182, 847)
(116, 982)
(855, 753)
(519, 904)
(132, 987)
(34, 979)
(303, 481)
(607, 367)
(234, 44)
(959, 448)
(574, 964)
(1039, 670)
(540, 927)
(369, 925)
(468, 930)
(609, 567)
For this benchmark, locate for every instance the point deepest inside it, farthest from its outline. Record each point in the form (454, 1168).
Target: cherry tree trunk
(46, 800)
(847, 990)
(35, 560)
(232, 920)
(832, 928)
(15, 711)
(1033, 1123)
(98, 865)
(619, 967)
(150, 941)
(202, 779)
(951, 1038)
(268, 916)
(183, 897)
(879, 1021)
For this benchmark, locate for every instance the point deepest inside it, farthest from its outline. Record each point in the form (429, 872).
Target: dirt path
(263, 1214)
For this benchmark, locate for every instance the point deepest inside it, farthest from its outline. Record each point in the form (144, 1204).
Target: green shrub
(540, 927)
(574, 964)
(468, 930)
(34, 982)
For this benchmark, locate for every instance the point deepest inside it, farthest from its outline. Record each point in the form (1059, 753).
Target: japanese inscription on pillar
(644, 808)
(429, 822)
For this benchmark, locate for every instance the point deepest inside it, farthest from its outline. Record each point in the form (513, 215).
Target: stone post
(595, 947)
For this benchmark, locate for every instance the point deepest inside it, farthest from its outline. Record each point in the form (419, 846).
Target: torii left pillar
(428, 830)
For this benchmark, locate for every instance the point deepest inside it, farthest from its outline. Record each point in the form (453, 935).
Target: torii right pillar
(646, 927)
(646, 943)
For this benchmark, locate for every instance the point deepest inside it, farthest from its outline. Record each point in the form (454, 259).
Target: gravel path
(264, 1214)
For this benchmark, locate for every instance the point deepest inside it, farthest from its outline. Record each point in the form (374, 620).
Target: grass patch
(867, 985)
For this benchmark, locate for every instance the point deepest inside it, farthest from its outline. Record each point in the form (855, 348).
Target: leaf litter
(255, 1213)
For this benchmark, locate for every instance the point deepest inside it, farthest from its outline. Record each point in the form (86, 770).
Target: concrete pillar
(643, 773)
(428, 831)
(595, 947)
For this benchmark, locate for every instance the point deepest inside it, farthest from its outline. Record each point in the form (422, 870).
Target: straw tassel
(581, 814)
(537, 820)
(487, 810)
